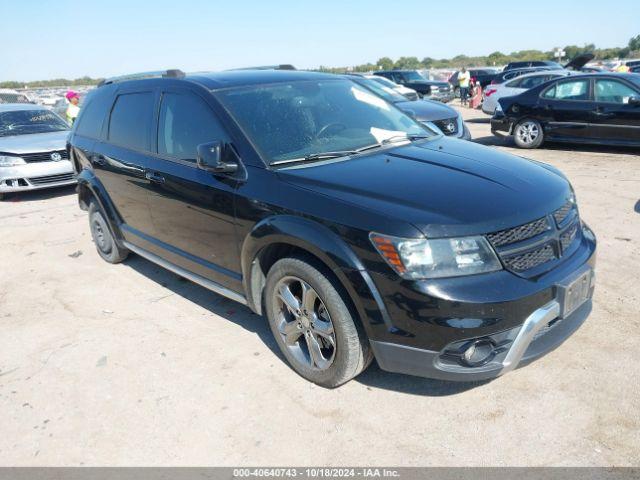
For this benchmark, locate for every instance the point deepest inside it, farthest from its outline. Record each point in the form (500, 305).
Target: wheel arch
(277, 237)
(90, 188)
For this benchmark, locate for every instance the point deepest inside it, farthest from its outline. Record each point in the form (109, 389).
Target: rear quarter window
(93, 114)
(131, 118)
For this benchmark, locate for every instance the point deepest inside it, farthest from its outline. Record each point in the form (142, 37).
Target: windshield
(24, 122)
(382, 91)
(413, 76)
(384, 81)
(294, 120)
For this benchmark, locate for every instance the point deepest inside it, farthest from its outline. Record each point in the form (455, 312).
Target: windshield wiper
(397, 138)
(345, 153)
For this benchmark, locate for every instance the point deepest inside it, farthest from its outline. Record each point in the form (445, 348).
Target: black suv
(354, 229)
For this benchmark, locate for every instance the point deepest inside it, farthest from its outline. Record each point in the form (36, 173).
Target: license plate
(575, 292)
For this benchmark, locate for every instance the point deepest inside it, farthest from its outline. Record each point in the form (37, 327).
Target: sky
(70, 38)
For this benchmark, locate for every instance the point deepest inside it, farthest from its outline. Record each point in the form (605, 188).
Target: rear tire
(102, 237)
(312, 323)
(528, 133)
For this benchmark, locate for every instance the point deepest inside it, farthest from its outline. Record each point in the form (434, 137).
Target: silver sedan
(33, 151)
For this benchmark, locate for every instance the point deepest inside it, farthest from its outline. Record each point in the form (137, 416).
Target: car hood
(580, 61)
(444, 187)
(427, 110)
(33, 143)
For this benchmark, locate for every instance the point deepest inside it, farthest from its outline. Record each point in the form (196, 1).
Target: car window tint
(92, 115)
(130, 122)
(571, 90)
(185, 122)
(530, 82)
(514, 84)
(612, 91)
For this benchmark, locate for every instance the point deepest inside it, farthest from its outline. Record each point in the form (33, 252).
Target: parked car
(575, 64)
(409, 93)
(588, 108)
(432, 89)
(352, 227)
(8, 95)
(33, 151)
(520, 84)
(507, 75)
(533, 63)
(482, 75)
(435, 115)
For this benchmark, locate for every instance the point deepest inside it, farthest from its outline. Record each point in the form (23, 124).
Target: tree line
(493, 59)
(413, 63)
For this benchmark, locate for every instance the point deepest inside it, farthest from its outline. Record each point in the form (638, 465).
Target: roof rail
(172, 73)
(283, 66)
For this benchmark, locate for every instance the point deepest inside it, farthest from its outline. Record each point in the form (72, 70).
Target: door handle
(154, 177)
(598, 112)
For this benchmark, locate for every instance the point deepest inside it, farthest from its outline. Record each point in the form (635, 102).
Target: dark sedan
(446, 119)
(590, 108)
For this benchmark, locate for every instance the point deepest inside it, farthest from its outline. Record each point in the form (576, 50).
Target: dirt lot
(130, 365)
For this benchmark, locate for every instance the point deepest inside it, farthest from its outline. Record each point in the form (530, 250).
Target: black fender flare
(88, 183)
(321, 242)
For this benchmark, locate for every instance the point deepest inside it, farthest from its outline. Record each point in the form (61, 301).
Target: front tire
(312, 324)
(528, 133)
(102, 237)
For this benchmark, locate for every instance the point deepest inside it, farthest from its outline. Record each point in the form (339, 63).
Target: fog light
(478, 353)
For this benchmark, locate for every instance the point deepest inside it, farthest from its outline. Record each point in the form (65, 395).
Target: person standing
(463, 78)
(73, 109)
(622, 68)
(475, 94)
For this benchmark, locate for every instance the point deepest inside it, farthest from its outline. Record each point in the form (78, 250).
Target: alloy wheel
(304, 323)
(528, 132)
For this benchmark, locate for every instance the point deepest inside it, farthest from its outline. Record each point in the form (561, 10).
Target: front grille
(517, 234)
(567, 238)
(44, 156)
(561, 214)
(449, 126)
(528, 248)
(49, 179)
(530, 259)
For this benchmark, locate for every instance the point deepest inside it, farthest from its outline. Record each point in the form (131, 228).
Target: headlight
(10, 161)
(436, 258)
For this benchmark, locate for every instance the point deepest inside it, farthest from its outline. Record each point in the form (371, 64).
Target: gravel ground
(130, 365)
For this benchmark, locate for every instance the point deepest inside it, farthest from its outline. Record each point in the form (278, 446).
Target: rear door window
(570, 90)
(131, 118)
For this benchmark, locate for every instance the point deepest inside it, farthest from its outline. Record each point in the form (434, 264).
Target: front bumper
(430, 323)
(34, 176)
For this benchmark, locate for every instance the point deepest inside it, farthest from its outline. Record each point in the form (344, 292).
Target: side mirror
(216, 157)
(635, 101)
